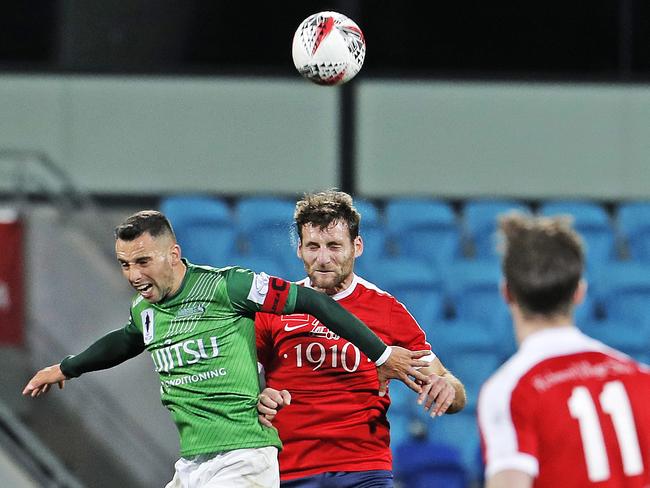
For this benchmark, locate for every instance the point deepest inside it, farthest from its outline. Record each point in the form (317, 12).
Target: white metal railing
(32, 455)
(27, 175)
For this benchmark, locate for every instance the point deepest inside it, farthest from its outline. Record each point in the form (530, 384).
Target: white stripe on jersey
(494, 415)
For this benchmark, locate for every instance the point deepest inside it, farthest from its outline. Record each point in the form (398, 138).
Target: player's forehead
(337, 230)
(142, 246)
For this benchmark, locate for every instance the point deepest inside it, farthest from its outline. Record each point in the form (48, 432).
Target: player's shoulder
(207, 269)
(556, 351)
(643, 369)
(137, 299)
(371, 290)
(509, 374)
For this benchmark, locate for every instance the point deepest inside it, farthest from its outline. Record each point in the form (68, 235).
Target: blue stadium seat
(461, 431)
(259, 264)
(401, 412)
(265, 227)
(475, 294)
(424, 464)
(402, 398)
(423, 228)
(413, 282)
(623, 291)
(470, 351)
(372, 231)
(203, 226)
(400, 423)
(633, 219)
(626, 336)
(480, 218)
(593, 224)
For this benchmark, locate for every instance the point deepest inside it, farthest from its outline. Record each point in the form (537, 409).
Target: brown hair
(543, 262)
(324, 208)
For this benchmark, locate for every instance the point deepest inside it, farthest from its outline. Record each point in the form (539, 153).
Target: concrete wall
(522, 140)
(153, 135)
(144, 136)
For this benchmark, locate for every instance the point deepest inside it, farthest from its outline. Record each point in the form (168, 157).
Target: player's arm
(509, 478)
(444, 393)
(108, 351)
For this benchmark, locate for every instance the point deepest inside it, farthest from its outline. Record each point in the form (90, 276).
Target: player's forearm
(110, 350)
(340, 321)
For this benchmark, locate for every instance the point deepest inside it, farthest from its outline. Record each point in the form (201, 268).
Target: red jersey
(569, 411)
(336, 420)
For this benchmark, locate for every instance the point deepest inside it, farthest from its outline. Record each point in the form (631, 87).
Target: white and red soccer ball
(328, 48)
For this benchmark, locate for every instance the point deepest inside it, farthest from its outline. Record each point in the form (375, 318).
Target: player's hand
(42, 381)
(402, 364)
(437, 395)
(270, 402)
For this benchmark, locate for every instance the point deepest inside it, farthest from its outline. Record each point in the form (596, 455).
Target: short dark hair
(324, 208)
(149, 221)
(543, 262)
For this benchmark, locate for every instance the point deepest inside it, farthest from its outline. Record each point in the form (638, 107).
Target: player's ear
(175, 253)
(505, 292)
(358, 246)
(580, 293)
(299, 249)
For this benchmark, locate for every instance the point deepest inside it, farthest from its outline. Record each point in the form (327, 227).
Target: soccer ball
(328, 48)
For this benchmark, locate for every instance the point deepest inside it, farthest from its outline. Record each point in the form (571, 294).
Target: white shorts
(240, 468)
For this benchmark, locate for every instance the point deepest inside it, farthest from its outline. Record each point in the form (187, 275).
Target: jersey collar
(340, 295)
(549, 336)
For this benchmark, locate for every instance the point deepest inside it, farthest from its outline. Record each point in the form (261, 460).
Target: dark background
(536, 40)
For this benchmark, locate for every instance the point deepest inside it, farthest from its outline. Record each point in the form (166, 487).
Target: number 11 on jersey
(614, 402)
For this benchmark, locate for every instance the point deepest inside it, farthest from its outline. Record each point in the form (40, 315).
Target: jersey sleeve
(507, 428)
(130, 328)
(110, 350)
(407, 332)
(251, 292)
(263, 337)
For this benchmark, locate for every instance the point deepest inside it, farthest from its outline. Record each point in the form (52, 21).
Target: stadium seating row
(257, 233)
(402, 227)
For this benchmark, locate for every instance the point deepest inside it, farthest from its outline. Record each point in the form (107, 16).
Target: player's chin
(151, 297)
(324, 279)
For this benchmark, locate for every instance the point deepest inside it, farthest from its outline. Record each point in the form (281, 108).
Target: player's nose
(323, 256)
(134, 274)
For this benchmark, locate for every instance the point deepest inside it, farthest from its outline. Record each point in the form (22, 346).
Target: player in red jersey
(335, 432)
(565, 410)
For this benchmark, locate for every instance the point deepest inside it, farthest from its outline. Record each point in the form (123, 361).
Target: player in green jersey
(198, 324)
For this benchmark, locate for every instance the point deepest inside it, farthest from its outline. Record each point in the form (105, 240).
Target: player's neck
(344, 285)
(179, 276)
(526, 326)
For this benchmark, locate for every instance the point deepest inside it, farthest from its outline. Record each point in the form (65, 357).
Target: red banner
(11, 283)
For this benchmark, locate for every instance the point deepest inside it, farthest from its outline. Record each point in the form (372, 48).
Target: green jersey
(202, 342)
